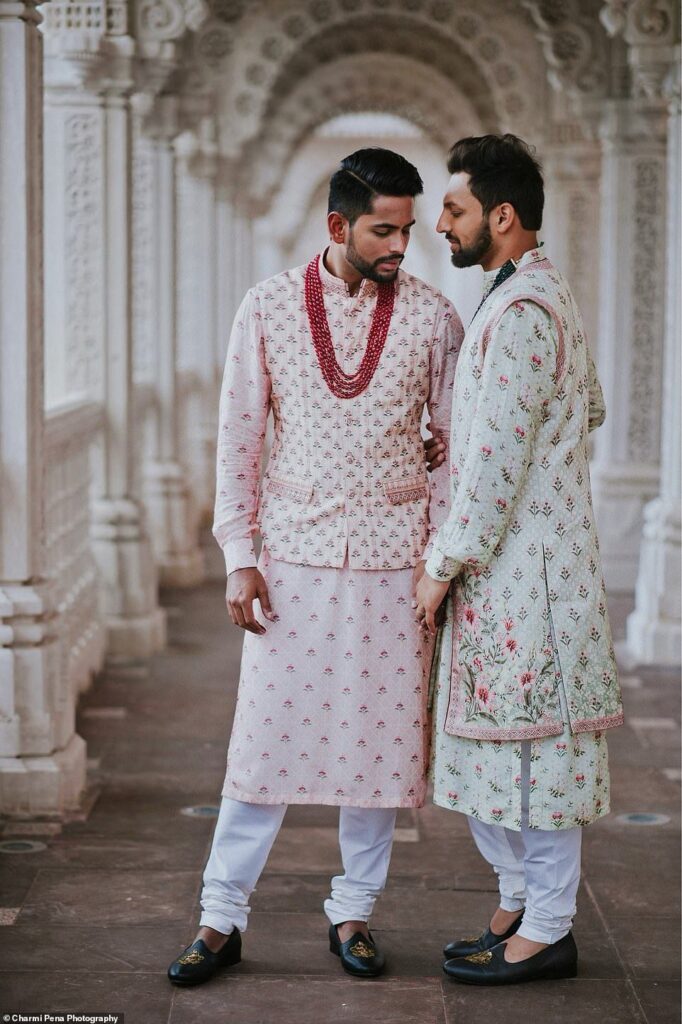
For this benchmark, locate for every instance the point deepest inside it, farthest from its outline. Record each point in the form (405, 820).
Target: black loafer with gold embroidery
(359, 955)
(197, 963)
(479, 943)
(489, 966)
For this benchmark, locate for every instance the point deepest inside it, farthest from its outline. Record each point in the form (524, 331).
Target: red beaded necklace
(344, 385)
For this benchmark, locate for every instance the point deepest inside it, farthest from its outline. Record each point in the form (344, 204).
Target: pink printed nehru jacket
(346, 478)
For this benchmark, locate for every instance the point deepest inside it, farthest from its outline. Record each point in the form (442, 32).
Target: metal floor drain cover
(201, 811)
(643, 818)
(21, 846)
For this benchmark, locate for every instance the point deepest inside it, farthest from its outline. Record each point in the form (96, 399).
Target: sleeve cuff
(239, 555)
(440, 567)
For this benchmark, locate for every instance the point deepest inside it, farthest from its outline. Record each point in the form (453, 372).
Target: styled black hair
(368, 173)
(502, 169)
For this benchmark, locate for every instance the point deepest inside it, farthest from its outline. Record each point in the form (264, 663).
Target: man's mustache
(389, 259)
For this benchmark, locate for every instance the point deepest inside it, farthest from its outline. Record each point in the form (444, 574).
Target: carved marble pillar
(198, 360)
(235, 243)
(167, 485)
(42, 759)
(633, 281)
(625, 472)
(654, 633)
(243, 250)
(225, 267)
(88, 279)
(572, 168)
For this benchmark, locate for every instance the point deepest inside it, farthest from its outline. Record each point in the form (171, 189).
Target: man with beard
(527, 680)
(332, 707)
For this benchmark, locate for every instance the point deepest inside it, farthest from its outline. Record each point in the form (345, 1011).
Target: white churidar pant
(242, 841)
(536, 869)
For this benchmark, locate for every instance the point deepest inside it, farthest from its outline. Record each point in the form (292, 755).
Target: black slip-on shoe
(467, 947)
(197, 963)
(560, 960)
(359, 955)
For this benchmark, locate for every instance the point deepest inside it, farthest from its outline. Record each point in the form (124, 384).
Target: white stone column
(572, 168)
(235, 245)
(167, 487)
(654, 635)
(227, 301)
(198, 360)
(42, 759)
(633, 279)
(88, 276)
(625, 472)
(243, 250)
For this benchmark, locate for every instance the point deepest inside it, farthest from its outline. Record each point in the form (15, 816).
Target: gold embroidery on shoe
(472, 938)
(362, 949)
(480, 958)
(195, 957)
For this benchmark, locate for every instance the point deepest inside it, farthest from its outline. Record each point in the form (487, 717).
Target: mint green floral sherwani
(526, 650)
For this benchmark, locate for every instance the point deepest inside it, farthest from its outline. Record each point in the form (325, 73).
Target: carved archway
(398, 85)
(258, 56)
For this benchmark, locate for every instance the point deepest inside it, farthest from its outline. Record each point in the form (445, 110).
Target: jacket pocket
(290, 487)
(400, 489)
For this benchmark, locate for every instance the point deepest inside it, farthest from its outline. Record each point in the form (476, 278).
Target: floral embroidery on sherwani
(569, 776)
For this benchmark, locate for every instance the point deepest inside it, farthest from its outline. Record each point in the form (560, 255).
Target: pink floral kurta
(332, 699)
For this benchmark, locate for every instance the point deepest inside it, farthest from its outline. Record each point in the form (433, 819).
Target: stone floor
(92, 918)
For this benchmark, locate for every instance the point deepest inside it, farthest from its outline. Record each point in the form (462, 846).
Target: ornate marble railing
(71, 435)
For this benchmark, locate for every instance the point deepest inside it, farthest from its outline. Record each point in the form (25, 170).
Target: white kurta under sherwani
(526, 652)
(331, 706)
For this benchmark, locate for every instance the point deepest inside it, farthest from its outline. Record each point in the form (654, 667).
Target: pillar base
(135, 623)
(654, 629)
(49, 785)
(173, 524)
(182, 571)
(620, 493)
(137, 636)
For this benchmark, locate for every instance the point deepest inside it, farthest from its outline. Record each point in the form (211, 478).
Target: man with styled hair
(345, 352)
(527, 680)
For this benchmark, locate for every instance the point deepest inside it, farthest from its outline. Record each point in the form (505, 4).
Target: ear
(503, 218)
(337, 225)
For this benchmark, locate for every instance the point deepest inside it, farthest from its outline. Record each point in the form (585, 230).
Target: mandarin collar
(489, 277)
(330, 283)
(529, 257)
(532, 256)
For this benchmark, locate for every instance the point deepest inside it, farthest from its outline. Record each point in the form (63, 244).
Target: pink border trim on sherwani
(597, 724)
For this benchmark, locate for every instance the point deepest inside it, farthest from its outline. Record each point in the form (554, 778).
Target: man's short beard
(367, 270)
(471, 255)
